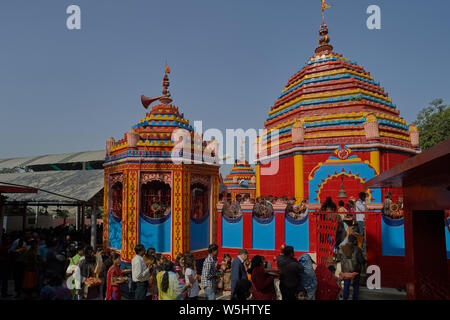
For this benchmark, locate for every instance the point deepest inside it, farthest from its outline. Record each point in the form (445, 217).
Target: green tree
(433, 123)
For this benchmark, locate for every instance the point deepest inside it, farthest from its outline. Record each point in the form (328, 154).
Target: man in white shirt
(361, 206)
(140, 273)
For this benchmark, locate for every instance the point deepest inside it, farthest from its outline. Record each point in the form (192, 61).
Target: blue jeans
(210, 293)
(361, 227)
(355, 288)
(141, 290)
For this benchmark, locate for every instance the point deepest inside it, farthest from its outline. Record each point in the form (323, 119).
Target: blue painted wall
(200, 233)
(297, 234)
(115, 232)
(155, 235)
(392, 237)
(232, 233)
(263, 234)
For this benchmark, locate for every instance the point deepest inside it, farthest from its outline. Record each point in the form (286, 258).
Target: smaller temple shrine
(241, 181)
(154, 193)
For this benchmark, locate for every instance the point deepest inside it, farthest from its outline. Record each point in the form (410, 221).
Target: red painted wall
(281, 184)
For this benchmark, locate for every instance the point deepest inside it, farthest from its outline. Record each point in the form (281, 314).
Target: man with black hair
(290, 274)
(209, 276)
(140, 273)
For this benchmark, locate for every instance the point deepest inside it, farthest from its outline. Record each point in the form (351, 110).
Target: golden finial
(324, 40)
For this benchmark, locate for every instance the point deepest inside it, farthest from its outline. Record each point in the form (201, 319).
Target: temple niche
(200, 197)
(154, 194)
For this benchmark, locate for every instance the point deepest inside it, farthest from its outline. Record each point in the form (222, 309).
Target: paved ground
(364, 294)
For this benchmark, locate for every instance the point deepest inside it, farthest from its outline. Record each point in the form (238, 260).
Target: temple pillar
(298, 178)
(375, 161)
(247, 228)
(133, 214)
(258, 180)
(130, 213)
(214, 213)
(105, 236)
(180, 215)
(124, 251)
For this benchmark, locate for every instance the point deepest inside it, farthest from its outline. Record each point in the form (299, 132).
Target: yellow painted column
(298, 178)
(375, 161)
(215, 199)
(186, 245)
(258, 181)
(105, 211)
(124, 251)
(132, 213)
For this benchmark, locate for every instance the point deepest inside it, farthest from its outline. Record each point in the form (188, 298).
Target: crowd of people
(36, 260)
(59, 264)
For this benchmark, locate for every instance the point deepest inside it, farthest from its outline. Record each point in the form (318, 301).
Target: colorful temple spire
(329, 103)
(152, 135)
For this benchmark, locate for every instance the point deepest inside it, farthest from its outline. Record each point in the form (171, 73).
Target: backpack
(350, 262)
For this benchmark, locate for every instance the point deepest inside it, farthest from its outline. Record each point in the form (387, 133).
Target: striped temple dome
(152, 136)
(241, 173)
(336, 101)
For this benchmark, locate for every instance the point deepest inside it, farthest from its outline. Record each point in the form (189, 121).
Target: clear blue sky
(68, 91)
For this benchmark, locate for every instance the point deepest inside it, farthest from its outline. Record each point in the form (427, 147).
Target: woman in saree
(115, 279)
(327, 284)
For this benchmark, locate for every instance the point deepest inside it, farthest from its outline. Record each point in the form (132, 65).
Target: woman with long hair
(115, 279)
(191, 277)
(169, 286)
(158, 267)
(262, 283)
(179, 269)
(225, 269)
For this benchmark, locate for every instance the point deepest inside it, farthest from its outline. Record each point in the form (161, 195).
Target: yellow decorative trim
(105, 211)
(311, 173)
(119, 147)
(335, 134)
(332, 94)
(397, 136)
(298, 178)
(340, 174)
(147, 143)
(258, 180)
(328, 73)
(124, 250)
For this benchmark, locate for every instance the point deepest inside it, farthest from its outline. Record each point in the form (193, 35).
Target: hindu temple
(241, 181)
(334, 128)
(151, 199)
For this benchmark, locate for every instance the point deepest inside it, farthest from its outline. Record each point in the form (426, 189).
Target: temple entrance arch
(351, 168)
(352, 183)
